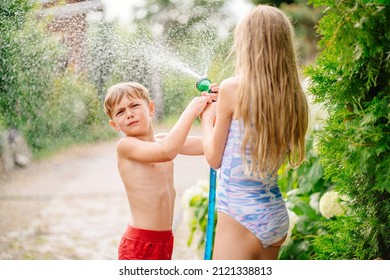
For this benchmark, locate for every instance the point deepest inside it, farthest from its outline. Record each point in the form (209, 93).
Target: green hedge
(351, 77)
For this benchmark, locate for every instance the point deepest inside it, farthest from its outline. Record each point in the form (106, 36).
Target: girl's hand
(214, 88)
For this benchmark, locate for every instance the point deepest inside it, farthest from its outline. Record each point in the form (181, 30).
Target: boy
(145, 163)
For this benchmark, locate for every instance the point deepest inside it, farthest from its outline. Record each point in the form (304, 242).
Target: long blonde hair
(271, 102)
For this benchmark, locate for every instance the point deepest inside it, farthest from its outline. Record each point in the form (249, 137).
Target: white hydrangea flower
(315, 145)
(201, 188)
(317, 112)
(314, 201)
(293, 221)
(330, 206)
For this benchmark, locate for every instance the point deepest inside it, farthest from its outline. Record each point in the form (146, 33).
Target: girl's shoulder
(229, 83)
(228, 95)
(229, 87)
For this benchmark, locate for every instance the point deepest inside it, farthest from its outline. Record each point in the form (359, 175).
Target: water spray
(203, 84)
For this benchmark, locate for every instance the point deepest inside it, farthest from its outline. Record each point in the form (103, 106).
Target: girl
(261, 119)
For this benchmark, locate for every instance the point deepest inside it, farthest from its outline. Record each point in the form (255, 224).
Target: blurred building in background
(69, 20)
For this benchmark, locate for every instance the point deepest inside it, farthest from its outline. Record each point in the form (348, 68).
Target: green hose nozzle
(203, 84)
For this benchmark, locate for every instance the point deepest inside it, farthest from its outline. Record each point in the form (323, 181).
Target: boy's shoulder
(126, 143)
(135, 148)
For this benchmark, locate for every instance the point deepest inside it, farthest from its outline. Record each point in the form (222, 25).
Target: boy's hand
(198, 104)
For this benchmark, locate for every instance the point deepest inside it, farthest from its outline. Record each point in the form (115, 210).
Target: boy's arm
(169, 146)
(192, 146)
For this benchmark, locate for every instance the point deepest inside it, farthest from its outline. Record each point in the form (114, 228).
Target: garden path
(73, 205)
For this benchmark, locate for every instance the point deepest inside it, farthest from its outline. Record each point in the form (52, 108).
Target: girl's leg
(233, 241)
(271, 252)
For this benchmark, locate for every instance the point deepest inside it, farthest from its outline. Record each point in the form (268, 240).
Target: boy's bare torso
(150, 193)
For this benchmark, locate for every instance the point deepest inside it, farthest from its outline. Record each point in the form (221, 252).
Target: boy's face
(132, 116)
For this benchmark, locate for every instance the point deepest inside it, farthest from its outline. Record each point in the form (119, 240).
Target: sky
(119, 9)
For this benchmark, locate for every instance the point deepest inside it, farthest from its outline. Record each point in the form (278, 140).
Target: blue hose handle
(210, 215)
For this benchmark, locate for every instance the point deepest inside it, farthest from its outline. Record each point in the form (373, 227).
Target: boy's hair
(271, 102)
(116, 92)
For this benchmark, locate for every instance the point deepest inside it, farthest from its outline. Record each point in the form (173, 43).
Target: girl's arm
(215, 136)
(193, 145)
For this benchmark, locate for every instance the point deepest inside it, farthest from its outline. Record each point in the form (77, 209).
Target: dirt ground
(73, 206)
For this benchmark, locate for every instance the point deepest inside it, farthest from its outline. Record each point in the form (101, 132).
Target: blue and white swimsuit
(255, 203)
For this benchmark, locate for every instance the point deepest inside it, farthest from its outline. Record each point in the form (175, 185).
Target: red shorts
(141, 244)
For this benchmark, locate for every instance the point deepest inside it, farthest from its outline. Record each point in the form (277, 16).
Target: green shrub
(51, 106)
(303, 188)
(351, 77)
(33, 59)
